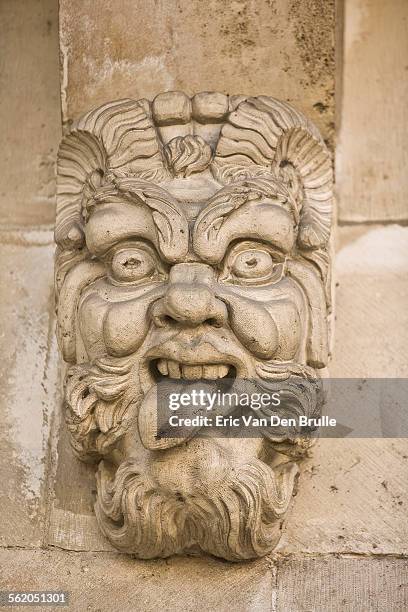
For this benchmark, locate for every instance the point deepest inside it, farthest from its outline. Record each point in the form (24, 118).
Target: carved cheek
(253, 326)
(287, 320)
(126, 325)
(91, 313)
(268, 328)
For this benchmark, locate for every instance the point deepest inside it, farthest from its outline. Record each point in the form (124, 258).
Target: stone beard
(192, 243)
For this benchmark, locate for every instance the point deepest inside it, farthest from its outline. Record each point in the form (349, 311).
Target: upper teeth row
(174, 369)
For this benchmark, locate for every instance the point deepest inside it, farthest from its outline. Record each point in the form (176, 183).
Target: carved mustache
(98, 405)
(102, 401)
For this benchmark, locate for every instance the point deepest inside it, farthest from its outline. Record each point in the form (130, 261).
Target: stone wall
(283, 48)
(29, 110)
(373, 142)
(344, 546)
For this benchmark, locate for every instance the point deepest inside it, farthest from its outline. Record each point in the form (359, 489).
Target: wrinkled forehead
(194, 215)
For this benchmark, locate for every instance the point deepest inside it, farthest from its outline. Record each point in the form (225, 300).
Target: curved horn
(266, 135)
(311, 160)
(115, 140)
(80, 155)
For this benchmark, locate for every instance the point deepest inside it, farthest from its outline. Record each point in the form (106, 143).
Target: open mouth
(170, 369)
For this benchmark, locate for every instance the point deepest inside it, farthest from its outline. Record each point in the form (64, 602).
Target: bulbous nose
(190, 299)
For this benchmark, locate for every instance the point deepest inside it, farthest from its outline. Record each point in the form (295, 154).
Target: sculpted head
(192, 243)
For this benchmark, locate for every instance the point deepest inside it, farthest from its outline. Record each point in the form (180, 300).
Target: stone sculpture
(192, 243)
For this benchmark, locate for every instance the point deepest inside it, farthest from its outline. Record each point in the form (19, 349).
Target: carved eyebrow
(111, 223)
(135, 207)
(217, 226)
(134, 241)
(136, 187)
(133, 190)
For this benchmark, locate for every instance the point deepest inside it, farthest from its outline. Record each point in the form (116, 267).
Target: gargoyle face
(201, 275)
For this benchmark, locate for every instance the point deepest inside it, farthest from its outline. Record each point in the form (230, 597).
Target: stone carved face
(192, 244)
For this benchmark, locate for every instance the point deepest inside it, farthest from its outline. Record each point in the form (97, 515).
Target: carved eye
(252, 263)
(132, 264)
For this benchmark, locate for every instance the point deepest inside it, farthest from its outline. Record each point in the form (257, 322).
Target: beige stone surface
(275, 47)
(353, 496)
(372, 155)
(118, 583)
(29, 110)
(110, 582)
(28, 383)
(335, 584)
(371, 273)
(72, 523)
(345, 481)
(352, 499)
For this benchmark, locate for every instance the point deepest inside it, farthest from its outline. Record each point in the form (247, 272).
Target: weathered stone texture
(28, 383)
(347, 584)
(353, 497)
(110, 583)
(372, 156)
(72, 523)
(371, 272)
(29, 110)
(274, 47)
(344, 478)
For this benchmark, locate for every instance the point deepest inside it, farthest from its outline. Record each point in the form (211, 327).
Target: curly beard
(237, 518)
(232, 507)
(101, 401)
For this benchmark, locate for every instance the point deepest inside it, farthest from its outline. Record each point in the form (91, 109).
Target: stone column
(373, 139)
(137, 48)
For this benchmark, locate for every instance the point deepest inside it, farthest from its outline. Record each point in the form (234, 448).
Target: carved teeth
(162, 367)
(191, 372)
(174, 369)
(211, 372)
(222, 371)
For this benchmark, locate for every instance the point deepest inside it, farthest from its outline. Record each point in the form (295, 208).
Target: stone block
(335, 584)
(30, 113)
(371, 272)
(72, 524)
(28, 374)
(352, 499)
(112, 582)
(372, 151)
